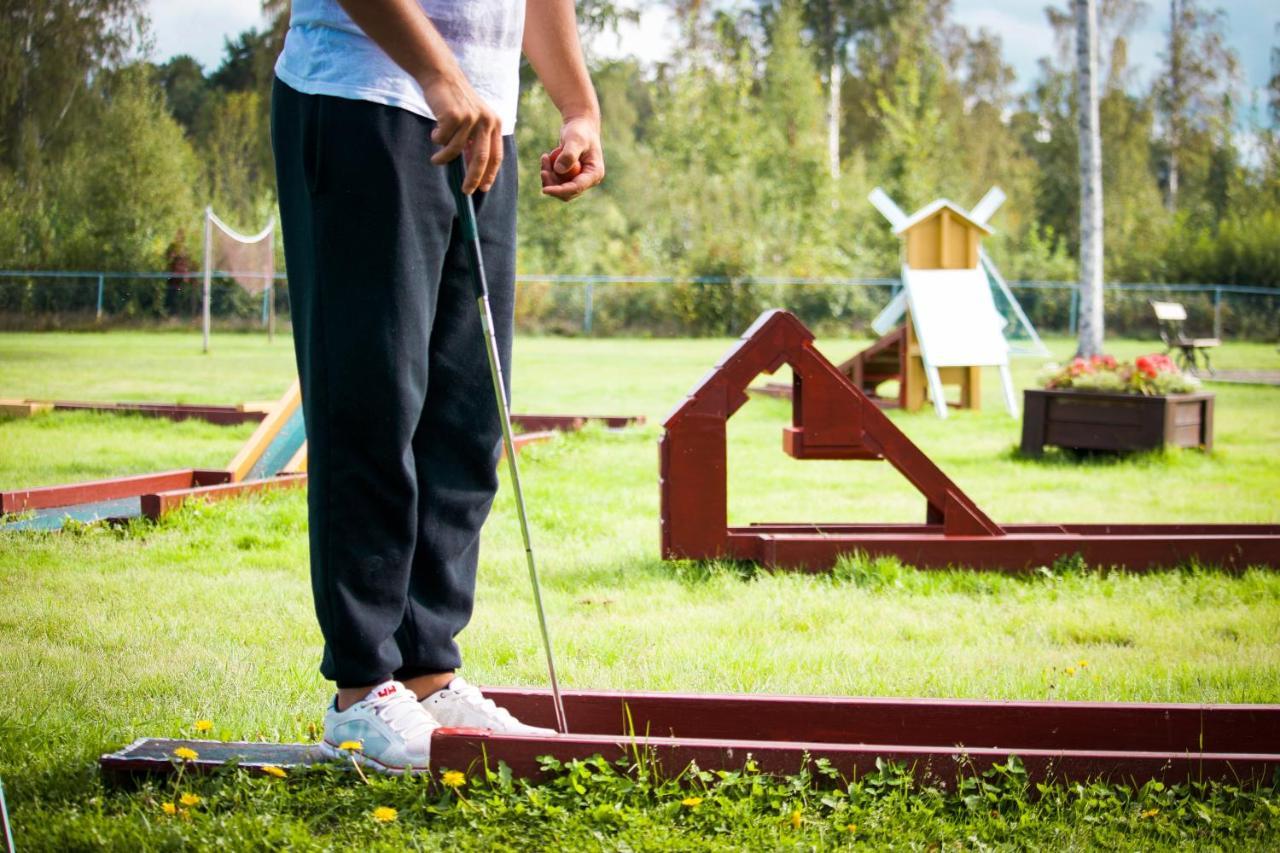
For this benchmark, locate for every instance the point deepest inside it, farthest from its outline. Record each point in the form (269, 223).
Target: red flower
(1079, 366)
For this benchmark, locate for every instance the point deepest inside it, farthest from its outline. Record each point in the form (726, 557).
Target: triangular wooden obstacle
(833, 419)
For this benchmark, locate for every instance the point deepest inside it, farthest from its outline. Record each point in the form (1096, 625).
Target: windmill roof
(929, 210)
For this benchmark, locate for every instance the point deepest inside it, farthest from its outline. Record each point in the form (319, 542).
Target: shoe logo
(386, 691)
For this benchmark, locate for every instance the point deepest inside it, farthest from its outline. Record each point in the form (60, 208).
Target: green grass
(110, 634)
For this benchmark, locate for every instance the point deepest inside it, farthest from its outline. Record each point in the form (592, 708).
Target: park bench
(1171, 317)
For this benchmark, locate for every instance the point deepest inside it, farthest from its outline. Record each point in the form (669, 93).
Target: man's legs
(458, 441)
(367, 225)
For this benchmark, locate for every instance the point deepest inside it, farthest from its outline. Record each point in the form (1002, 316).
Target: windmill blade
(880, 199)
(986, 208)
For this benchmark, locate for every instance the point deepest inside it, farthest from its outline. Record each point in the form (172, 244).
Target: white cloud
(199, 27)
(651, 40)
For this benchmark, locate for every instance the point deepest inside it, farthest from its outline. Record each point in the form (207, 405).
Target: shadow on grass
(888, 573)
(1061, 457)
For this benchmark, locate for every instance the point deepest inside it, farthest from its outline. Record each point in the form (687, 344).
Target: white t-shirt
(325, 53)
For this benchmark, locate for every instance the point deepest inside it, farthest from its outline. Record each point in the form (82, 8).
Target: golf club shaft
(6, 832)
(471, 238)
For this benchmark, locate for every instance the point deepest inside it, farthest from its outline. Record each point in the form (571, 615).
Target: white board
(955, 318)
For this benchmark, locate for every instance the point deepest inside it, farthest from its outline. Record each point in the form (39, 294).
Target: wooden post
(208, 272)
(271, 289)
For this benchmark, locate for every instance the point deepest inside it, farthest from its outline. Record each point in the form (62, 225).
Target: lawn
(111, 634)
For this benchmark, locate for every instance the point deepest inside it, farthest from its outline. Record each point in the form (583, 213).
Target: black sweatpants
(403, 434)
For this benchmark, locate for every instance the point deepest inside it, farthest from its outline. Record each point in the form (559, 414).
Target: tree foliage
(718, 159)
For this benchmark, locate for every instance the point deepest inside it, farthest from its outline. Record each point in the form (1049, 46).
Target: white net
(249, 260)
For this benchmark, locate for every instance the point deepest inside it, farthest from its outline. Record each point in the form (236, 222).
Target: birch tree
(835, 26)
(1091, 321)
(1200, 71)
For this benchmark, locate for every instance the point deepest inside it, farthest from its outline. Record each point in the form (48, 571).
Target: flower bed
(1104, 404)
(1149, 375)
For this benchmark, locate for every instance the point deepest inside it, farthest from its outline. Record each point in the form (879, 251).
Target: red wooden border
(470, 750)
(1149, 547)
(160, 503)
(95, 490)
(568, 423)
(1124, 742)
(221, 415)
(1156, 727)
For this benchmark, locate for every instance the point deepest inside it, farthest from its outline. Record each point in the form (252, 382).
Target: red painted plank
(1158, 727)
(94, 490)
(470, 751)
(1015, 552)
(156, 505)
(567, 423)
(906, 528)
(221, 415)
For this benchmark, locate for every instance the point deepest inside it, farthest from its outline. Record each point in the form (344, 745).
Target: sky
(200, 27)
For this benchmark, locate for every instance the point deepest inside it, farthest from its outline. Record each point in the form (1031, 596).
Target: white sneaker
(391, 726)
(461, 705)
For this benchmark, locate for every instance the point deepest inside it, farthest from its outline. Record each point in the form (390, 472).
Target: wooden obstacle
(23, 408)
(275, 456)
(220, 415)
(833, 419)
(937, 739)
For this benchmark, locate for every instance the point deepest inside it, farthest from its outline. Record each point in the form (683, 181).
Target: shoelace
(472, 696)
(404, 715)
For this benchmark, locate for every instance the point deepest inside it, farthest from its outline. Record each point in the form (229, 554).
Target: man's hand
(580, 145)
(464, 123)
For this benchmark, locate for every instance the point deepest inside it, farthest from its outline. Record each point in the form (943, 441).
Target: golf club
(471, 237)
(6, 834)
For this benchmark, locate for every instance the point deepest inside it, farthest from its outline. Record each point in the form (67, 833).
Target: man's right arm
(464, 122)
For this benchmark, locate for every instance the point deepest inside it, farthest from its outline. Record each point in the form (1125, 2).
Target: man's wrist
(434, 75)
(588, 114)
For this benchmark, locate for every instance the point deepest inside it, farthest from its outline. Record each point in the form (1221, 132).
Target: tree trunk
(1175, 100)
(833, 118)
(1090, 341)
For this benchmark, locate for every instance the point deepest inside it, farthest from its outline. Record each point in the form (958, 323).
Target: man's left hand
(579, 144)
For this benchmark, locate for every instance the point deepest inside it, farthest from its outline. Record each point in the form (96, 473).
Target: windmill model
(952, 327)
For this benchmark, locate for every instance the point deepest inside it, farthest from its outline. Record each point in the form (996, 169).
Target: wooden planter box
(1085, 420)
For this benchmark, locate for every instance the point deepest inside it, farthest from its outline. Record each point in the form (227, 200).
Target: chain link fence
(622, 305)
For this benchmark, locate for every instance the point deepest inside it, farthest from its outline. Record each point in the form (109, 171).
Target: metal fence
(626, 305)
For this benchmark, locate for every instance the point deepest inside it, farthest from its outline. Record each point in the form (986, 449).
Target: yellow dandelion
(1071, 670)
(796, 819)
(186, 753)
(453, 779)
(353, 745)
(169, 808)
(853, 827)
(1084, 664)
(691, 802)
(203, 726)
(189, 799)
(1150, 813)
(272, 770)
(384, 814)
